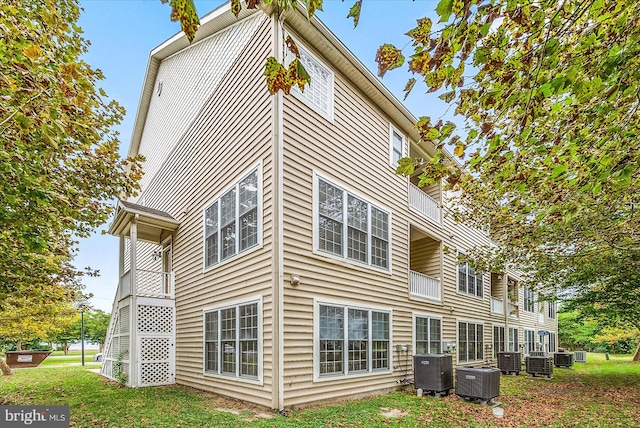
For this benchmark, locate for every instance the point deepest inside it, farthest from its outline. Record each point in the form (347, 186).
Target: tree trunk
(6, 370)
(65, 348)
(636, 357)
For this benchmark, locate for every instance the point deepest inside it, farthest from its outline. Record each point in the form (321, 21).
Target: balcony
(154, 284)
(149, 283)
(514, 311)
(424, 286)
(497, 306)
(424, 204)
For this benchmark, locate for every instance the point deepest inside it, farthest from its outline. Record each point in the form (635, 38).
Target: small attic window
(319, 94)
(159, 88)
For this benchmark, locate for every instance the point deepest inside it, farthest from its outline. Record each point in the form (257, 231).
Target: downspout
(278, 262)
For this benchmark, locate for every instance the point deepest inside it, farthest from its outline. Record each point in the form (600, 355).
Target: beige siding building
(273, 254)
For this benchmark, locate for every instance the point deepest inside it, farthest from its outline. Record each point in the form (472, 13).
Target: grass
(600, 393)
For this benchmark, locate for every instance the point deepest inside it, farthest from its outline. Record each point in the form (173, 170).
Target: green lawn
(597, 394)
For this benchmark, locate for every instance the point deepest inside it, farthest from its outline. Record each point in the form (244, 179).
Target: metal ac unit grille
(433, 372)
(539, 366)
(580, 356)
(509, 362)
(538, 354)
(481, 383)
(563, 359)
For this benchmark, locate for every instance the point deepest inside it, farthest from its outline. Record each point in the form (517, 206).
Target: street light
(83, 307)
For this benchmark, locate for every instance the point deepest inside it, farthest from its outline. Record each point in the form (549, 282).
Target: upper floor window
(352, 340)
(231, 336)
(232, 221)
(396, 146)
(319, 93)
(350, 227)
(553, 309)
(470, 341)
(428, 335)
(529, 299)
(470, 281)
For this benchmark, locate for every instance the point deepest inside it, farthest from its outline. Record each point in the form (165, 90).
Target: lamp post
(82, 309)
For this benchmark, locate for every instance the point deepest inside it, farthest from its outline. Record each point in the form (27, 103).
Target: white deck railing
(154, 284)
(497, 306)
(424, 203)
(422, 285)
(513, 310)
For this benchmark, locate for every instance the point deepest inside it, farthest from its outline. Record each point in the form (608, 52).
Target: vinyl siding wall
(228, 137)
(352, 151)
(426, 257)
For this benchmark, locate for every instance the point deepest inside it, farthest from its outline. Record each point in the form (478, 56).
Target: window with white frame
(513, 340)
(553, 309)
(352, 340)
(470, 281)
(231, 222)
(498, 340)
(428, 335)
(350, 227)
(552, 342)
(319, 93)
(529, 300)
(231, 340)
(529, 341)
(470, 341)
(396, 146)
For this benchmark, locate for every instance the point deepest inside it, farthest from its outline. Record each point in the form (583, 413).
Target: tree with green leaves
(67, 336)
(575, 330)
(24, 322)
(618, 340)
(58, 153)
(96, 324)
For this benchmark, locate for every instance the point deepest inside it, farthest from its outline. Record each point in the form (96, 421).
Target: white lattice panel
(106, 368)
(155, 374)
(187, 80)
(155, 319)
(123, 348)
(154, 348)
(114, 349)
(124, 319)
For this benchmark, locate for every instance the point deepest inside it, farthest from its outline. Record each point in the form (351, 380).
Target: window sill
(232, 378)
(473, 296)
(231, 259)
(354, 375)
(349, 263)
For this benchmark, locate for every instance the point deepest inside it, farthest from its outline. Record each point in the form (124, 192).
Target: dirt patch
(246, 414)
(392, 413)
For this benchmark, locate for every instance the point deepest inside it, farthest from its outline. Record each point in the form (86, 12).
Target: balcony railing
(423, 203)
(154, 284)
(497, 306)
(513, 309)
(421, 285)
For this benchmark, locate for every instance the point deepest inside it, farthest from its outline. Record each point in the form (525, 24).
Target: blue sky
(123, 32)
